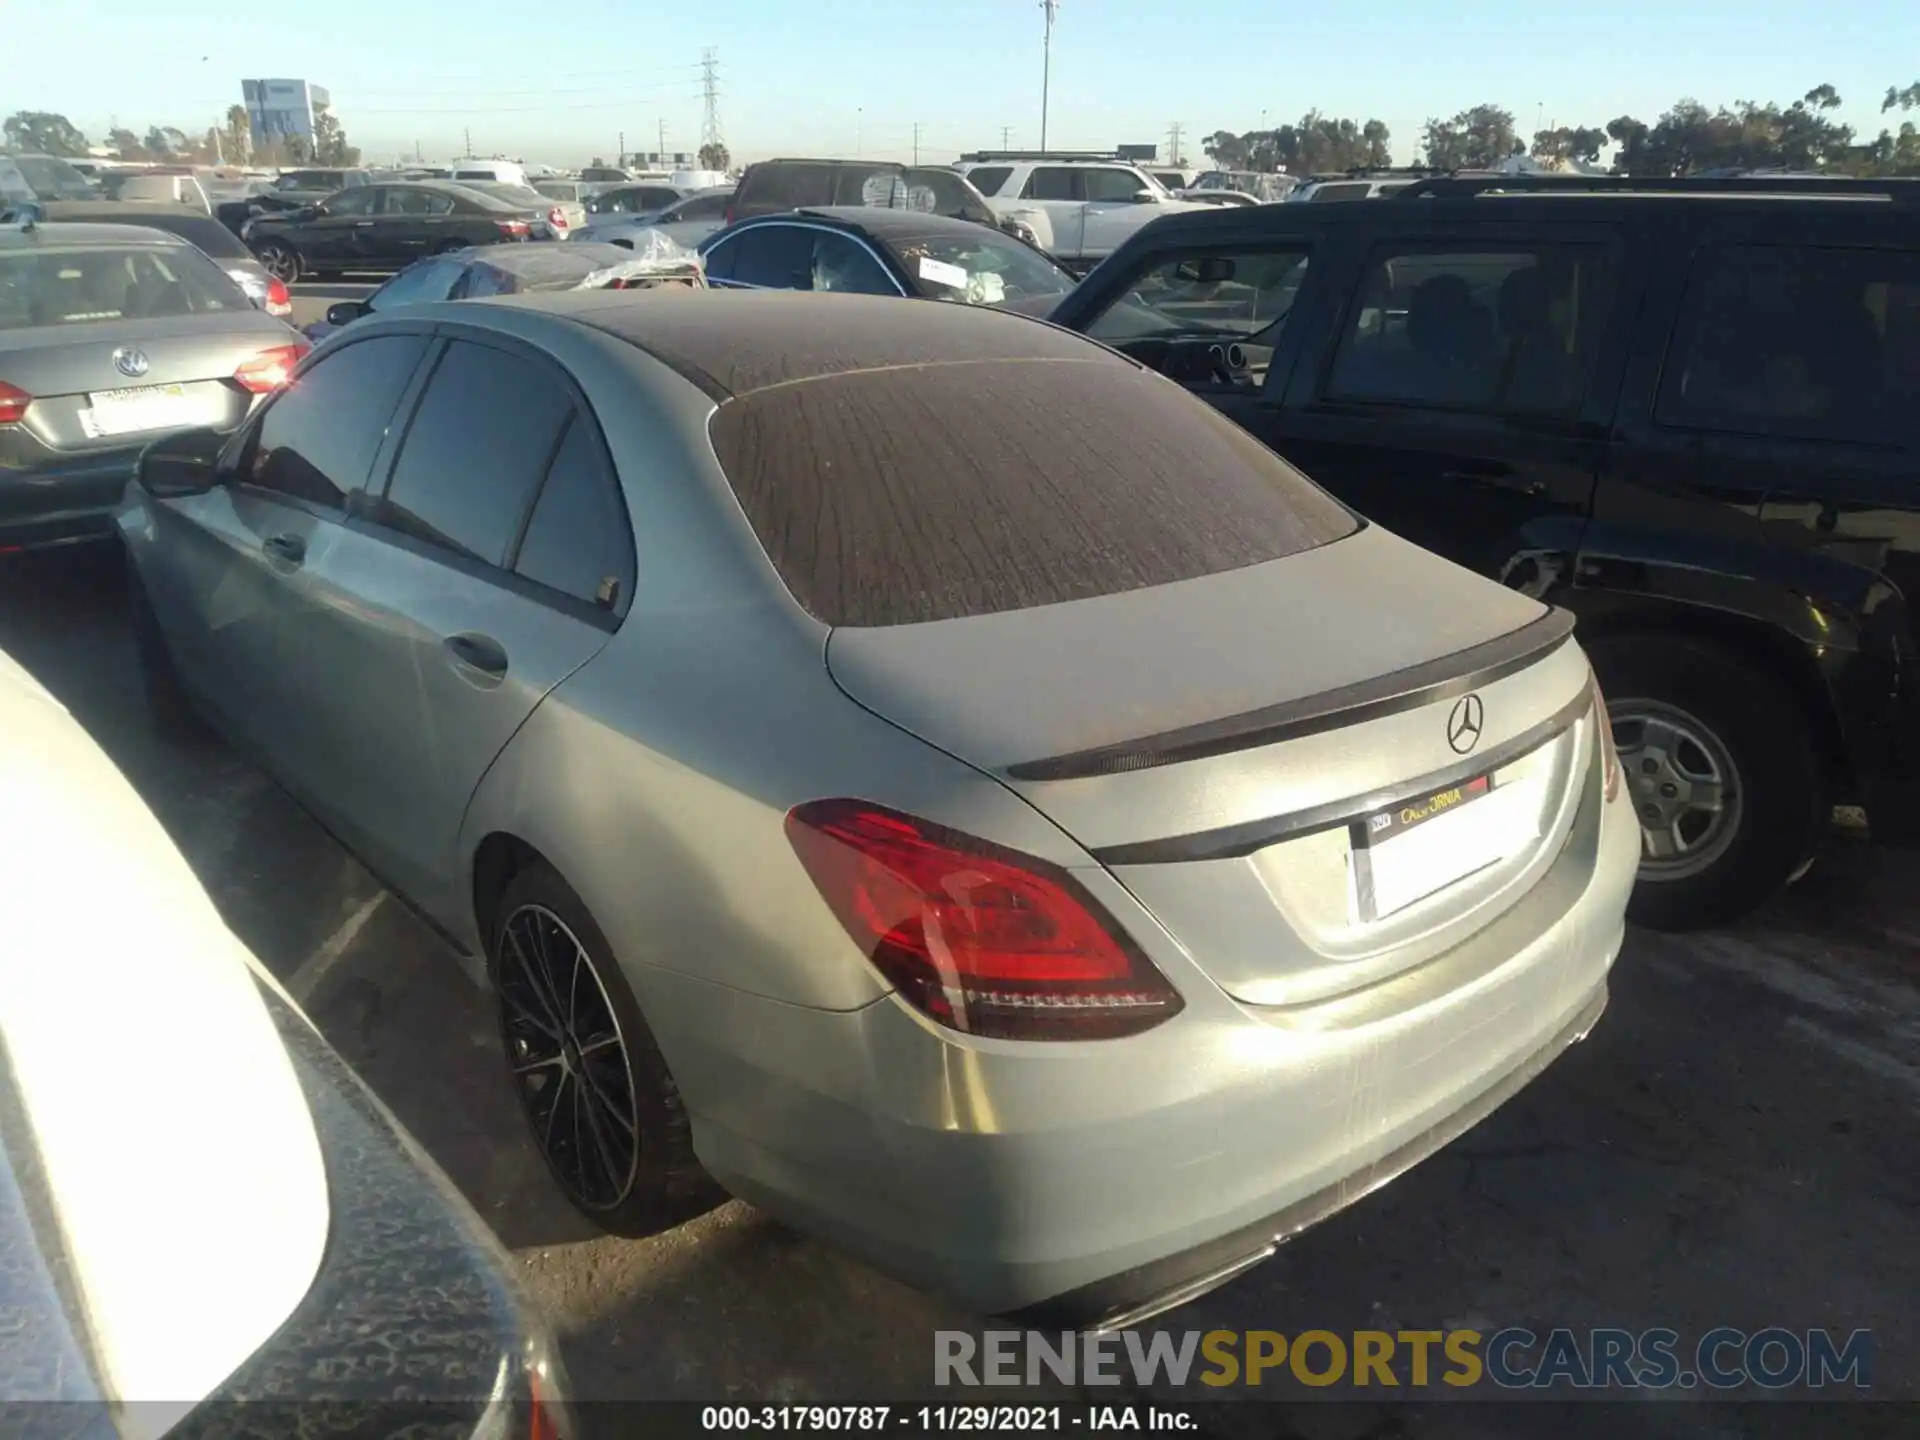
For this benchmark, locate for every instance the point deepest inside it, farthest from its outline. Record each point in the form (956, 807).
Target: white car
(198, 1200)
(500, 172)
(687, 221)
(1080, 211)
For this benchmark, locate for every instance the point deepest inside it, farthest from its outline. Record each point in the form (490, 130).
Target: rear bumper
(51, 499)
(1083, 1181)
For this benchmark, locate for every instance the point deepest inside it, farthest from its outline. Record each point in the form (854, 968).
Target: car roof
(117, 212)
(733, 342)
(69, 233)
(875, 220)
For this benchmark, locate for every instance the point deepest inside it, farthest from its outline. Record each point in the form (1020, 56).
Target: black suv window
(1510, 330)
(773, 257)
(478, 445)
(988, 179)
(352, 202)
(1797, 341)
(1050, 182)
(317, 440)
(578, 541)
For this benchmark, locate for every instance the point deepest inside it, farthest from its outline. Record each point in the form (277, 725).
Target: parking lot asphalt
(1734, 1145)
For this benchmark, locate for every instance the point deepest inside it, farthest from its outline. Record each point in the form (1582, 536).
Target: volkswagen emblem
(130, 362)
(1464, 725)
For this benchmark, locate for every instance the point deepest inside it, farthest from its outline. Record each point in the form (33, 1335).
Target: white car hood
(159, 1171)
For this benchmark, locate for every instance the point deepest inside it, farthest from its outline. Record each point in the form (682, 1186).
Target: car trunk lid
(1222, 744)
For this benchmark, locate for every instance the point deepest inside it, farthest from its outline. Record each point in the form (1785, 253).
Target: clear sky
(559, 80)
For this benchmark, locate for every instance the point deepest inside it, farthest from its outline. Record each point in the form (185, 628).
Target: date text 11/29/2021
(925, 1419)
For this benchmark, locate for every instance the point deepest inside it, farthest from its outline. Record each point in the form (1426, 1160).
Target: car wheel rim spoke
(1685, 787)
(566, 1053)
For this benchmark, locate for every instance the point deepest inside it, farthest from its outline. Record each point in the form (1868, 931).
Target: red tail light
(981, 939)
(13, 404)
(279, 302)
(1609, 756)
(270, 370)
(513, 229)
(557, 218)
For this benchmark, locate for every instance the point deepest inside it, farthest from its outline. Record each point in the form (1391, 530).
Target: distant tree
(1375, 135)
(1580, 142)
(236, 137)
(44, 132)
(126, 145)
(296, 149)
(1630, 135)
(598, 162)
(1907, 99)
(164, 142)
(330, 145)
(715, 157)
(1315, 143)
(1226, 150)
(1475, 139)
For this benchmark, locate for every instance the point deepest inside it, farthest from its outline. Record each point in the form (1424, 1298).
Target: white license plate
(1411, 851)
(142, 408)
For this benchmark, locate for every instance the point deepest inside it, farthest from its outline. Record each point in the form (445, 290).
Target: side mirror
(309, 212)
(345, 312)
(1144, 197)
(182, 464)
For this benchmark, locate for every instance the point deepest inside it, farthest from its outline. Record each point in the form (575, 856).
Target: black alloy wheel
(281, 260)
(568, 1058)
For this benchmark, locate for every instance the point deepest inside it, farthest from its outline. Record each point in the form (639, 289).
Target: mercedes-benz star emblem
(1469, 717)
(130, 362)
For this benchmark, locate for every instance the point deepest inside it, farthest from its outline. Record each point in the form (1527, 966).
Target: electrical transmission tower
(1173, 143)
(710, 98)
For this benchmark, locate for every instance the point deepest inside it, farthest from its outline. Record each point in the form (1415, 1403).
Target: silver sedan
(909, 765)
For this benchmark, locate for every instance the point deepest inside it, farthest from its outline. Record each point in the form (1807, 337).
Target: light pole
(858, 111)
(1051, 7)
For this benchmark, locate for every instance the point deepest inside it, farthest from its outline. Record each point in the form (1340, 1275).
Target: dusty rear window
(936, 492)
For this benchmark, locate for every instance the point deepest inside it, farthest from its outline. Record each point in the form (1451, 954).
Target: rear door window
(476, 449)
(317, 439)
(1801, 341)
(882, 499)
(988, 179)
(1104, 184)
(352, 202)
(773, 257)
(578, 541)
(1051, 182)
(841, 263)
(1505, 331)
(1358, 191)
(701, 207)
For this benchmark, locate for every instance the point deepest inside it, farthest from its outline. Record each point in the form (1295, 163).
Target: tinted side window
(1507, 330)
(703, 207)
(1808, 342)
(657, 198)
(478, 445)
(578, 541)
(414, 202)
(843, 264)
(774, 257)
(1111, 184)
(718, 256)
(421, 281)
(352, 202)
(1049, 182)
(988, 179)
(317, 440)
(1357, 191)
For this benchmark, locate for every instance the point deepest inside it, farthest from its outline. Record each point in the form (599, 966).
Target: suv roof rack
(1899, 191)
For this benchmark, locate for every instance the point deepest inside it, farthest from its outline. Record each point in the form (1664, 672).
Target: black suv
(771, 186)
(1683, 410)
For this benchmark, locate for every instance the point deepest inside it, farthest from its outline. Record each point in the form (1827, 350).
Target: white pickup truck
(1080, 210)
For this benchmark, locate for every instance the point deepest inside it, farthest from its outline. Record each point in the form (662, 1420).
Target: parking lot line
(306, 979)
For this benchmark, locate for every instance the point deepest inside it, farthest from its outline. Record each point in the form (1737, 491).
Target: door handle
(290, 548)
(1496, 480)
(482, 652)
(363, 224)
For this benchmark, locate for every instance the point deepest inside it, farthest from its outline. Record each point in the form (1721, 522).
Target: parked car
(867, 251)
(165, 190)
(1078, 211)
(1172, 179)
(109, 336)
(558, 218)
(774, 185)
(520, 269)
(286, 1243)
(496, 172)
(606, 175)
(1240, 187)
(1683, 413)
(583, 622)
(386, 227)
(27, 178)
(199, 230)
(686, 222)
(632, 202)
(1325, 188)
(572, 192)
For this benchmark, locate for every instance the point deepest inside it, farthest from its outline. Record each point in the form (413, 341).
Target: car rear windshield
(937, 492)
(46, 287)
(53, 179)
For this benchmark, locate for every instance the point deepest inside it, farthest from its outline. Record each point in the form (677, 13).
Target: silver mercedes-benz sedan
(109, 336)
(908, 764)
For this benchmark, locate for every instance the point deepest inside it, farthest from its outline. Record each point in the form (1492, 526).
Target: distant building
(277, 109)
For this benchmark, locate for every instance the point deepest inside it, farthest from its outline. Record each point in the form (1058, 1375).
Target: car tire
(1693, 721)
(573, 1106)
(281, 260)
(172, 710)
